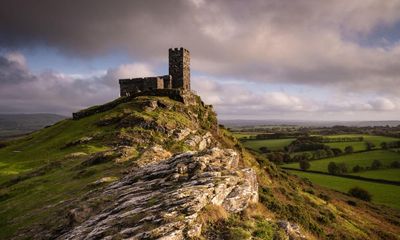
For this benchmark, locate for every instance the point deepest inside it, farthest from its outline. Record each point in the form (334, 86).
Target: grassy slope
(363, 159)
(382, 193)
(39, 180)
(39, 171)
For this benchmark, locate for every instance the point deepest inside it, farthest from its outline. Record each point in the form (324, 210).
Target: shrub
(351, 203)
(376, 164)
(369, 145)
(360, 193)
(264, 150)
(342, 168)
(325, 197)
(395, 164)
(357, 168)
(238, 233)
(304, 164)
(212, 213)
(349, 149)
(333, 168)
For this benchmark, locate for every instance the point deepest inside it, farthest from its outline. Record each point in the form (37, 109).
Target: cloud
(299, 42)
(237, 100)
(308, 43)
(50, 91)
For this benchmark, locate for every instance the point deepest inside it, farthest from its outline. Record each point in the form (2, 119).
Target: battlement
(178, 78)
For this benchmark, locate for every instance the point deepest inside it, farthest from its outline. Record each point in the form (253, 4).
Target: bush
(376, 164)
(304, 164)
(238, 233)
(351, 203)
(333, 168)
(264, 150)
(349, 149)
(395, 164)
(342, 168)
(212, 213)
(360, 193)
(369, 145)
(324, 197)
(358, 168)
(337, 168)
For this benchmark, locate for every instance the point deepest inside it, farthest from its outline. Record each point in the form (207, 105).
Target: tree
(342, 168)
(357, 168)
(369, 145)
(376, 164)
(337, 151)
(360, 193)
(333, 168)
(304, 164)
(384, 145)
(395, 164)
(349, 149)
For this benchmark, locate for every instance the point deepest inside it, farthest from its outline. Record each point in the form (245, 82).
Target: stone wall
(135, 85)
(179, 67)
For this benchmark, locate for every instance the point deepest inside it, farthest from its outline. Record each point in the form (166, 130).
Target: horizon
(294, 61)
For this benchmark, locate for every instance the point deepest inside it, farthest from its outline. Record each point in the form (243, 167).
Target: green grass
(37, 171)
(381, 193)
(240, 135)
(359, 146)
(271, 144)
(387, 174)
(363, 159)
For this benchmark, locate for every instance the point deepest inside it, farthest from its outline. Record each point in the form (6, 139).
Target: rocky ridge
(161, 200)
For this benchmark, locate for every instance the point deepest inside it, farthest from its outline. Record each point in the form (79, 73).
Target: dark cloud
(304, 42)
(300, 42)
(13, 70)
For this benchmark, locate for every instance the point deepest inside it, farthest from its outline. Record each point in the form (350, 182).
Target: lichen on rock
(165, 197)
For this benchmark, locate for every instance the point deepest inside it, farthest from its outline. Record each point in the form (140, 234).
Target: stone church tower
(179, 67)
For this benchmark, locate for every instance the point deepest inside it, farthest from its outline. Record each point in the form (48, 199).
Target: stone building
(178, 78)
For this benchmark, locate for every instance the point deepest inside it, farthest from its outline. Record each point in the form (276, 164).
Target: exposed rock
(153, 154)
(292, 230)
(161, 200)
(200, 142)
(180, 134)
(76, 155)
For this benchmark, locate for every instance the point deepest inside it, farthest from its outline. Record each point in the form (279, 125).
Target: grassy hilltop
(45, 174)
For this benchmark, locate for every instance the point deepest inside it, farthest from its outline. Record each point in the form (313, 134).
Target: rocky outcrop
(161, 200)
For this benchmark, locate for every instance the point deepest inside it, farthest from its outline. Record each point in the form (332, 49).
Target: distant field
(387, 174)
(381, 193)
(243, 135)
(363, 159)
(271, 144)
(359, 146)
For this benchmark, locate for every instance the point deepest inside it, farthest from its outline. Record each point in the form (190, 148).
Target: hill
(152, 167)
(12, 125)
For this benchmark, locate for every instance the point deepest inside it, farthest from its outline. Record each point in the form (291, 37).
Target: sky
(255, 59)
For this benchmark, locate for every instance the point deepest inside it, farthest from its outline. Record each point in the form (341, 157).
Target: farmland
(288, 148)
(363, 159)
(272, 144)
(381, 193)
